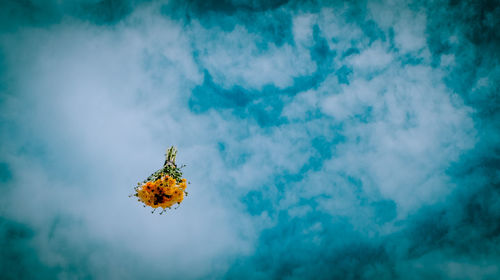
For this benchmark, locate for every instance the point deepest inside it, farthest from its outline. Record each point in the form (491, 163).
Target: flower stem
(171, 154)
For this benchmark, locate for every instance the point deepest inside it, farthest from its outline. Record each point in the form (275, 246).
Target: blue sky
(323, 140)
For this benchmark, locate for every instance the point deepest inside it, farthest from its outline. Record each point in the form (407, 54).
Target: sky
(322, 139)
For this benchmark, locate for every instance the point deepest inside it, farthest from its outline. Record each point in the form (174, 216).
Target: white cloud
(303, 28)
(408, 25)
(373, 58)
(234, 58)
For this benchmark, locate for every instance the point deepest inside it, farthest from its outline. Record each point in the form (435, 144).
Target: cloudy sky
(323, 140)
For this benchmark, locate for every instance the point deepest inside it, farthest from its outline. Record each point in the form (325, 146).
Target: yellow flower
(180, 198)
(171, 182)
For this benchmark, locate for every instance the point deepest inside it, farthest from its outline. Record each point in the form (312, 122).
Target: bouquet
(165, 187)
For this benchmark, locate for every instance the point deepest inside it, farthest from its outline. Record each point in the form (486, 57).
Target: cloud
(236, 57)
